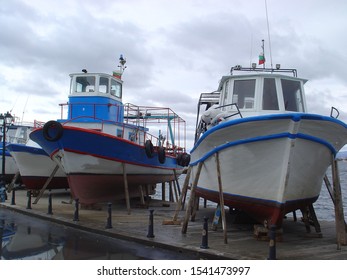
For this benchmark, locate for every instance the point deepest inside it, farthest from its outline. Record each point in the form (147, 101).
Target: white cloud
(175, 49)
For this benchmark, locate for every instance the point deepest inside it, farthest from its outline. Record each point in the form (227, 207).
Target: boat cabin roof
(263, 92)
(96, 84)
(257, 75)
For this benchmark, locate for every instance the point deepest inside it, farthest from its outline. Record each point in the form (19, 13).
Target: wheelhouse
(95, 97)
(263, 93)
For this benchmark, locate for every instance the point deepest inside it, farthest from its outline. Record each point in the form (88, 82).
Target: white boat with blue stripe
(273, 154)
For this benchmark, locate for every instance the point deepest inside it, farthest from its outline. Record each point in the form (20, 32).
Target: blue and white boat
(273, 154)
(104, 145)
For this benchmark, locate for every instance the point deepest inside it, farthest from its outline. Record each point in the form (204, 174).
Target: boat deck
(242, 244)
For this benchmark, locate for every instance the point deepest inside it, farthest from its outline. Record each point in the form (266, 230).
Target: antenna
(268, 32)
(121, 66)
(26, 103)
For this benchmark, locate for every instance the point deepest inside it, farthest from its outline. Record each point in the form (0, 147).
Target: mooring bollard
(109, 218)
(204, 240)
(150, 225)
(13, 199)
(75, 216)
(272, 243)
(29, 200)
(50, 212)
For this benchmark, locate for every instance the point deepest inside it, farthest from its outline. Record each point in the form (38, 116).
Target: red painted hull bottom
(92, 188)
(36, 182)
(264, 212)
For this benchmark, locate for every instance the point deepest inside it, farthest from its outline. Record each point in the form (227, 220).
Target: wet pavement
(90, 238)
(26, 237)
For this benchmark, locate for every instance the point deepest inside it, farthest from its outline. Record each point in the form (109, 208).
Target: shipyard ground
(242, 244)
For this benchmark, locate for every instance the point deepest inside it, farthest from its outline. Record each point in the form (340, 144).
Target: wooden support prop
(142, 198)
(195, 208)
(13, 182)
(126, 188)
(329, 188)
(171, 198)
(313, 218)
(221, 199)
(341, 234)
(46, 184)
(179, 204)
(177, 183)
(175, 190)
(191, 198)
(163, 194)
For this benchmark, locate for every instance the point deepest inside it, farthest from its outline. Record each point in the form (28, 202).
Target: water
(324, 206)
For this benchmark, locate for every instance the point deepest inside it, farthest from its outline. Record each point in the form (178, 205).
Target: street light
(5, 121)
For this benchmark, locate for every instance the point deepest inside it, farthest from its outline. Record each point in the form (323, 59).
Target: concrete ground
(295, 243)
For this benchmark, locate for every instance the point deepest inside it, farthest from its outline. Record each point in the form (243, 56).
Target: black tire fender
(161, 154)
(149, 149)
(185, 159)
(58, 131)
(179, 159)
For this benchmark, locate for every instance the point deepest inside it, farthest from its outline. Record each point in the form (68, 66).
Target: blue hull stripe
(293, 116)
(96, 144)
(265, 138)
(21, 148)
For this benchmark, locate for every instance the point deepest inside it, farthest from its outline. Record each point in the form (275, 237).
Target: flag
(261, 58)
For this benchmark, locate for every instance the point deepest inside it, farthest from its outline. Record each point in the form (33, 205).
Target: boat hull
(95, 166)
(36, 167)
(10, 166)
(269, 165)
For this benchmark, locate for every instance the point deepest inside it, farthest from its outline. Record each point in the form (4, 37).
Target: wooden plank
(341, 235)
(126, 188)
(11, 185)
(142, 198)
(221, 199)
(163, 194)
(181, 198)
(177, 183)
(46, 184)
(191, 198)
(329, 188)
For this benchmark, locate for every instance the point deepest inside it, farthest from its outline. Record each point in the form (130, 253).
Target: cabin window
(85, 84)
(243, 93)
(292, 95)
(103, 85)
(119, 132)
(116, 89)
(132, 136)
(270, 101)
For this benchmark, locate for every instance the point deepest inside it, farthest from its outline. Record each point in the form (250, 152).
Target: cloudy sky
(174, 49)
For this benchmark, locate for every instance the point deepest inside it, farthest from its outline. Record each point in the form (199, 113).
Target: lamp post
(5, 121)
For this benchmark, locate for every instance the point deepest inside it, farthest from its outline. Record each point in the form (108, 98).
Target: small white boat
(272, 153)
(17, 133)
(36, 167)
